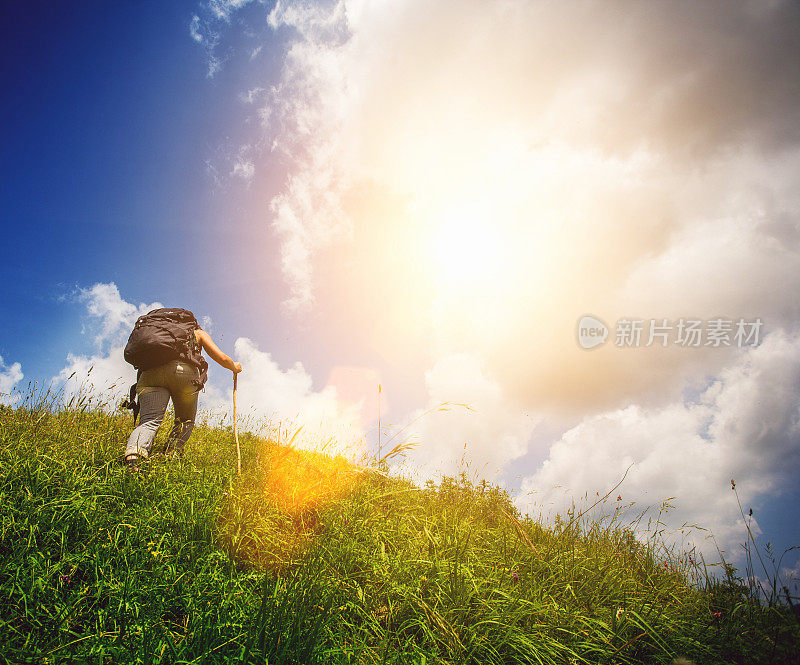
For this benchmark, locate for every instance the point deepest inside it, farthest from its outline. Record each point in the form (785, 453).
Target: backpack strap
(198, 360)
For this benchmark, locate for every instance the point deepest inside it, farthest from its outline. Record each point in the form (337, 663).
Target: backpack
(163, 335)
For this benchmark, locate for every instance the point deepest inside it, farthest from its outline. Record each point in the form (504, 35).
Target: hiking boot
(132, 462)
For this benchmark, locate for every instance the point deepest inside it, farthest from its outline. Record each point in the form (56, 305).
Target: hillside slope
(308, 559)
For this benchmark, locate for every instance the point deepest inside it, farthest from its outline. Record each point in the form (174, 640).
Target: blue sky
(429, 196)
(112, 119)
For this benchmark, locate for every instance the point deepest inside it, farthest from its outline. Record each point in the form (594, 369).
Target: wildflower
(515, 577)
(619, 497)
(733, 484)
(65, 579)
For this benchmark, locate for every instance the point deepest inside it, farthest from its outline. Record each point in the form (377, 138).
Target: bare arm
(215, 353)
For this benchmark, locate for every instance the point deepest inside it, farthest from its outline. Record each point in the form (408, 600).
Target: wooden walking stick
(236, 430)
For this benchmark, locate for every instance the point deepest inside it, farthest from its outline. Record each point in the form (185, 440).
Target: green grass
(306, 559)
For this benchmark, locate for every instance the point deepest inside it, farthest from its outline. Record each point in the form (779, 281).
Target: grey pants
(155, 387)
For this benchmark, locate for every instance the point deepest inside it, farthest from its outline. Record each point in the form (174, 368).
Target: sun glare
(465, 249)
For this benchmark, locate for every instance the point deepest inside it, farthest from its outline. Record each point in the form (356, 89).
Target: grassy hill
(307, 559)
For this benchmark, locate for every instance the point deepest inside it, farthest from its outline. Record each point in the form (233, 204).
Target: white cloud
(646, 167)
(245, 170)
(478, 431)
(214, 65)
(223, 9)
(593, 196)
(208, 31)
(404, 95)
(203, 34)
(745, 426)
(104, 378)
(735, 222)
(104, 375)
(267, 393)
(309, 111)
(232, 165)
(10, 376)
(194, 29)
(252, 95)
(114, 315)
(790, 577)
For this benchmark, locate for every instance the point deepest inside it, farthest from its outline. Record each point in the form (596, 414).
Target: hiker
(165, 347)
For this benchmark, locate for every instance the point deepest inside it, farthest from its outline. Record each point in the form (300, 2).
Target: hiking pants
(175, 379)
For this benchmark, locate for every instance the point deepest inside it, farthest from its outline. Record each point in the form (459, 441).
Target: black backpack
(163, 335)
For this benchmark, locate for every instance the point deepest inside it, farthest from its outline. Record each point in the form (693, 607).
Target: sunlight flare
(465, 249)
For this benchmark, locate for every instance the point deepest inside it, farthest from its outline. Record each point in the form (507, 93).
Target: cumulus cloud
(468, 420)
(641, 168)
(271, 396)
(103, 375)
(309, 111)
(114, 316)
(405, 95)
(745, 425)
(600, 172)
(10, 376)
